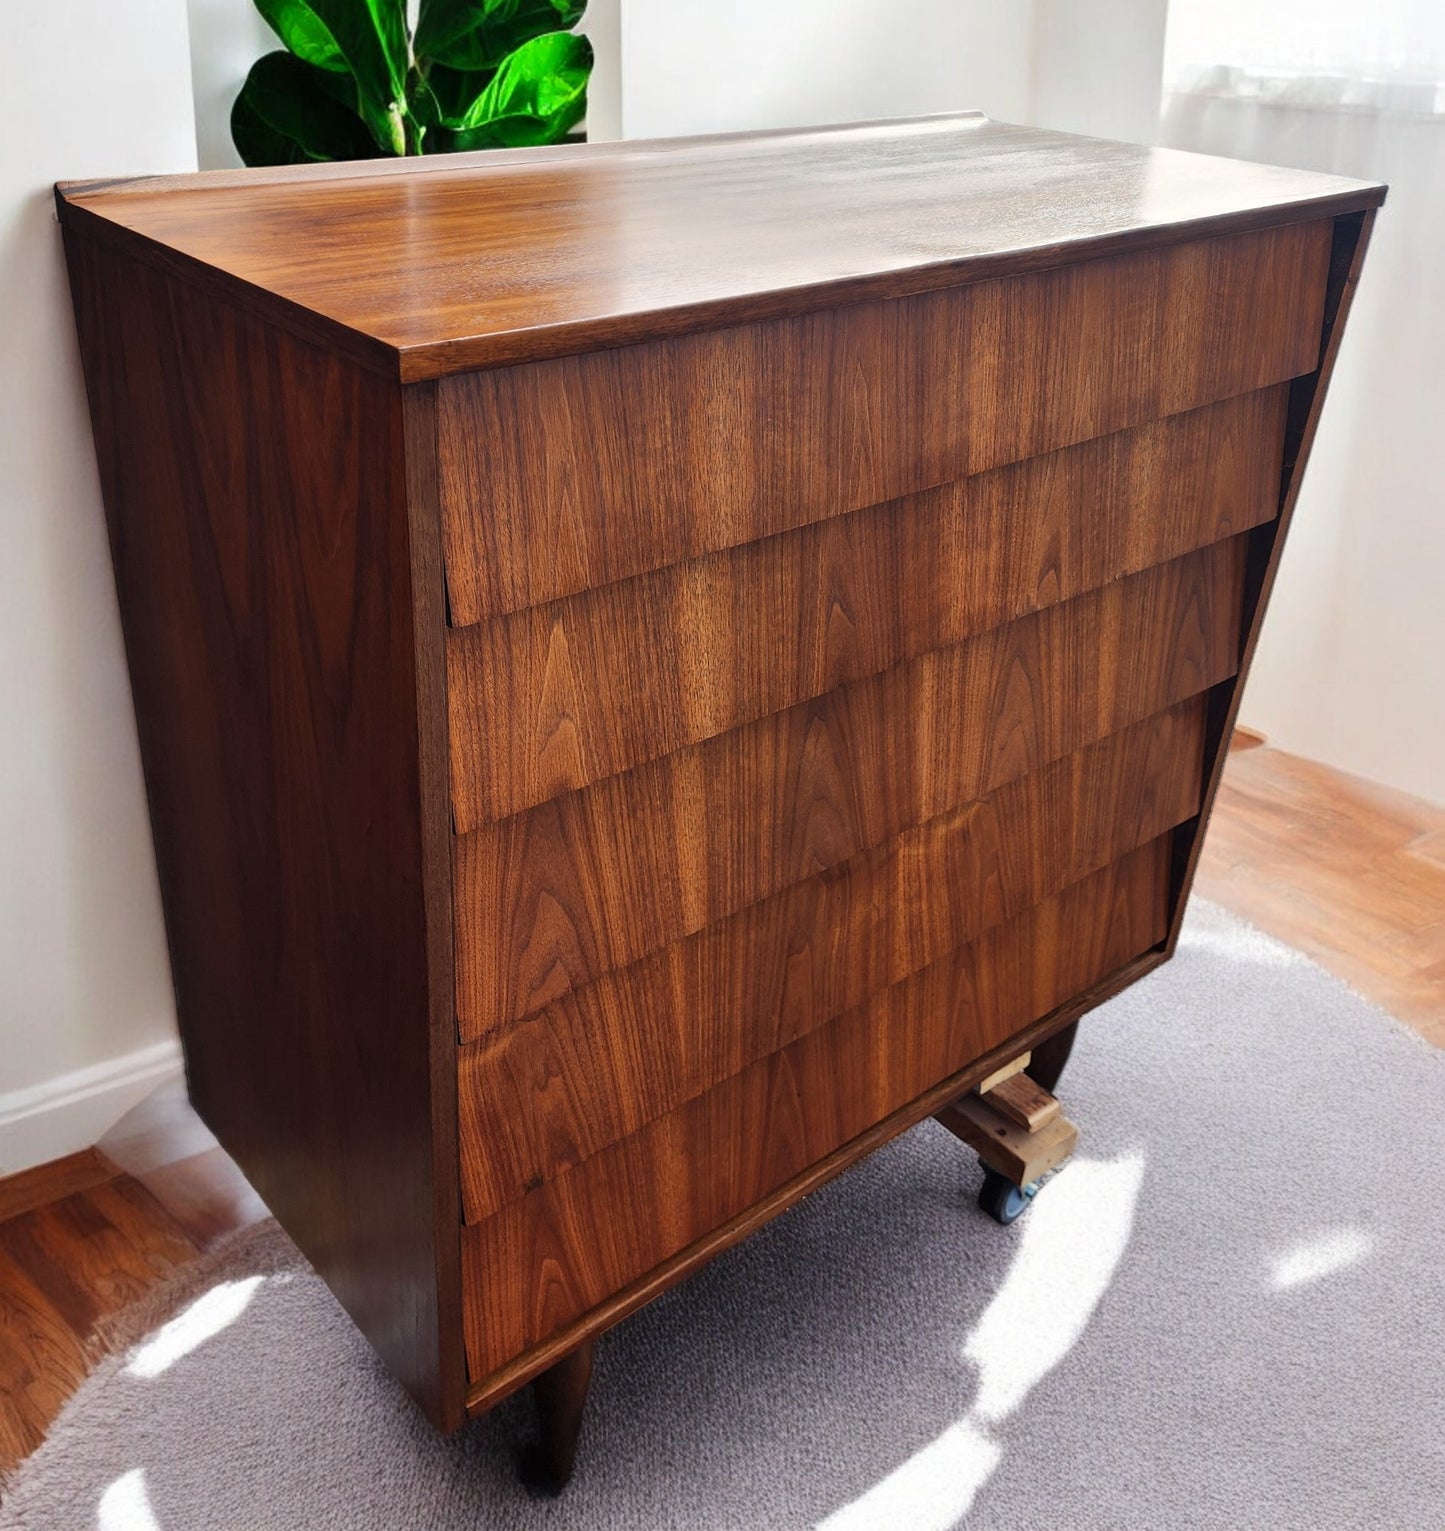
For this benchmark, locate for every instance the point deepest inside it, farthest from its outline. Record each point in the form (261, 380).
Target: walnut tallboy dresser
(659, 665)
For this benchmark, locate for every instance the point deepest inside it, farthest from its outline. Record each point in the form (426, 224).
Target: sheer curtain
(1350, 665)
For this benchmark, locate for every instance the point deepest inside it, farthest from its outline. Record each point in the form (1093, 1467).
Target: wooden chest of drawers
(659, 665)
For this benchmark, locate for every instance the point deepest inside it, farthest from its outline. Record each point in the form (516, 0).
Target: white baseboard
(72, 1111)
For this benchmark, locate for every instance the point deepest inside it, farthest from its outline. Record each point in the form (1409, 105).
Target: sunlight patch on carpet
(1071, 1245)
(931, 1490)
(1068, 1251)
(126, 1506)
(1320, 1257)
(205, 1318)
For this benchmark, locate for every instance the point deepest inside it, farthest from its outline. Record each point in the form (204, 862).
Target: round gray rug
(1227, 1312)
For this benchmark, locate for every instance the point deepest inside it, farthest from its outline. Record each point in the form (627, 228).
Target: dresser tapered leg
(561, 1395)
(1050, 1057)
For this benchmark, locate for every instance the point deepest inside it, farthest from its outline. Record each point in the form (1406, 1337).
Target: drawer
(566, 1246)
(604, 1061)
(559, 476)
(552, 898)
(556, 697)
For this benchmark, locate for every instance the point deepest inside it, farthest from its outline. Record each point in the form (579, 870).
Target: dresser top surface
(429, 266)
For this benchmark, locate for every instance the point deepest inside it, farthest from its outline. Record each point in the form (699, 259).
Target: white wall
(1083, 66)
(602, 22)
(86, 1015)
(227, 37)
(1097, 67)
(1349, 665)
(700, 66)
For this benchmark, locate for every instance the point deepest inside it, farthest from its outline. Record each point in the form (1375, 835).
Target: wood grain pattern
(66, 1265)
(809, 726)
(600, 1064)
(1024, 1102)
(265, 578)
(72, 1260)
(126, 1244)
(428, 604)
(477, 260)
(32, 1188)
(42, 1362)
(1061, 1021)
(551, 899)
(604, 466)
(555, 697)
(1349, 239)
(1016, 1151)
(567, 1246)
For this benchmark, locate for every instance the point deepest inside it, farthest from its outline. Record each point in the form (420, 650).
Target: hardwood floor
(1348, 871)
(84, 1237)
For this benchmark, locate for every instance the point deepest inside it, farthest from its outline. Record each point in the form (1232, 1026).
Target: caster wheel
(1002, 1199)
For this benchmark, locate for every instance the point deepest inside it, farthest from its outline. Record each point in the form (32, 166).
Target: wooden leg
(1050, 1057)
(561, 1395)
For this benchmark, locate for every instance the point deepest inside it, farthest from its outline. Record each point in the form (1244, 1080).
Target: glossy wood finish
(83, 1237)
(265, 581)
(488, 259)
(561, 695)
(606, 465)
(740, 739)
(624, 1211)
(600, 1064)
(551, 899)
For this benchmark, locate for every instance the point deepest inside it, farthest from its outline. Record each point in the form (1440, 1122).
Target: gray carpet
(1227, 1312)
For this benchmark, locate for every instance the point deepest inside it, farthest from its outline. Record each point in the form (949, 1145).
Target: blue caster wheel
(1002, 1199)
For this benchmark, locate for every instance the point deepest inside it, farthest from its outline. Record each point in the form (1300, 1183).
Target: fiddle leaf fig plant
(355, 80)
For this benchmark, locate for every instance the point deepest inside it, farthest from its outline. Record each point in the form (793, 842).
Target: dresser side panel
(1349, 239)
(257, 499)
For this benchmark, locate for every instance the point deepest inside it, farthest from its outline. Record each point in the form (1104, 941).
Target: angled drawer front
(587, 1233)
(551, 699)
(559, 476)
(824, 696)
(554, 897)
(644, 1040)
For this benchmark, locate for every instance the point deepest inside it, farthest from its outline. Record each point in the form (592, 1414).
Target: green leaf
(475, 35)
(372, 37)
(442, 99)
(303, 32)
(535, 97)
(368, 38)
(288, 113)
